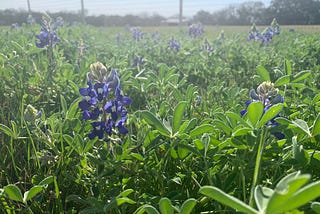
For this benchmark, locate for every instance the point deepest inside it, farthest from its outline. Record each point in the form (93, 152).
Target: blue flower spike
(268, 96)
(103, 103)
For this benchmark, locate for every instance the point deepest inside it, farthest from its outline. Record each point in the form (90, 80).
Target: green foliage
(185, 128)
(289, 194)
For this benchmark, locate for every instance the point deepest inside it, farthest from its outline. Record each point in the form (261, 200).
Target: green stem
(257, 165)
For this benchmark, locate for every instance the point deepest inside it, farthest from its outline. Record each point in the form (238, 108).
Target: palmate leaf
(262, 195)
(5, 129)
(285, 189)
(263, 73)
(28, 195)
(282, 81)
(146, 209)
(13, 192)
(187, 206)
(287, 67)
(316, 126)
(204, 128)
(302, 125)
(299, 198)
(227, 199)
(154, 121)
(177, 116)
(165, 206)
(255, 111)
(270, 114)
(300, 76)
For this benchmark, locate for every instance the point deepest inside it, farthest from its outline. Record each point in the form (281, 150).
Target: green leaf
(46, 181)
(263, 73)
(284, 191)
(241, 131)
(255, 111)
(270, 114)
(5, 129)
(3, 58)
(300, 76)
(125, 193)
(63, 104)
(124, 200)
(191, 124)
(287, 67)
(187, 206)
(316, 126)
(204, 128)
(177, 116)
(28, 195)
(236, 117)
(316, 207)
(146, 208)
(13, 192)
(302, 125)
(261, 196)
(222, 126)
(154, 121)
(173, 153)
(282, 81)
(74, 108)
(226, 199)
(301, 197)
(198, 143)
(165, 206)
(182, 152)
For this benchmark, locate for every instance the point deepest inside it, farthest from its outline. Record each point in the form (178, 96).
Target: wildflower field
(181, 119)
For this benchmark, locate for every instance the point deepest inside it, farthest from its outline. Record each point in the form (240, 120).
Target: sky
(164, 8)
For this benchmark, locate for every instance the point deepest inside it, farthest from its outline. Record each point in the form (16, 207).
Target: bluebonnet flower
(195, 30)
(91, 115)
(120, 125)
(174, 45)
(90, 97)
(155, 35)
(275, 26)
(99, 129)
(47, 36)
(206, 47)
(268, 96)
(267, 35)
(103, 102)
(254, 33)
(101, 89)
(137, 34)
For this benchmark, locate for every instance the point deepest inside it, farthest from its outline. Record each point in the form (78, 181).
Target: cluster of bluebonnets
(268, 96)
(103, 103)
(48, 35)
(195, 30)
(137, 34)
(267, 35)
(174, 44)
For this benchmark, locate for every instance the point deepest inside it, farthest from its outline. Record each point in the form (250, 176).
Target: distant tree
(203, 17)
(295, 11)
(251, 12)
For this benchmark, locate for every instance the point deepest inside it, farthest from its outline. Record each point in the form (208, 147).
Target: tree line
(287, 12)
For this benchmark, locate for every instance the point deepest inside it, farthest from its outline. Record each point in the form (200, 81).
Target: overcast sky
(121, 7)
